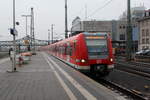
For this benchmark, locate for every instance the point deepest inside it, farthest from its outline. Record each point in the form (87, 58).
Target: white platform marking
(82, 90)
(66, 88)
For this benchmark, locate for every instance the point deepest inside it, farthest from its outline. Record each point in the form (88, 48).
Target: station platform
(47, 78)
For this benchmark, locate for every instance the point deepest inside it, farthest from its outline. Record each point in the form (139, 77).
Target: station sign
(13, 32)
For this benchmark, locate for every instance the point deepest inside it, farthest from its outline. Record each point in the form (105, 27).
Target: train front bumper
(110, 67)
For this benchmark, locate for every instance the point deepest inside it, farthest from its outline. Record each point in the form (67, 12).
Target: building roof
(144, 18)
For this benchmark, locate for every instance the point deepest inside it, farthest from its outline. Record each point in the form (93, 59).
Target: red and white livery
(86, 52)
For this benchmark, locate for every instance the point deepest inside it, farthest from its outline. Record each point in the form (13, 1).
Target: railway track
(140, 64)
(139, 68)
(133, 68)
(133, 94)
(127, 93)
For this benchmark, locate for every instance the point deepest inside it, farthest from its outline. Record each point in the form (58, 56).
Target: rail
(128, 92)
(142, 71)
(114, 86)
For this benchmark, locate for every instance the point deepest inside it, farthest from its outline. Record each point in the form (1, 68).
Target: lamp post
(66, 20)
(26, 16)
(14, 32)
(14, 39)
(48, 36)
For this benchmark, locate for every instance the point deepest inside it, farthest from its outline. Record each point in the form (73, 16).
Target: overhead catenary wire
(100, 8)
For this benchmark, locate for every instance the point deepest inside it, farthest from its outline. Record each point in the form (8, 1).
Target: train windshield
(97, 48)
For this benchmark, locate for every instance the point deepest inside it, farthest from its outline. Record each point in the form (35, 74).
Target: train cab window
(97, 48)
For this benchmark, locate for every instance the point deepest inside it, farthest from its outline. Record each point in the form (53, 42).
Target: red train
(90, 52)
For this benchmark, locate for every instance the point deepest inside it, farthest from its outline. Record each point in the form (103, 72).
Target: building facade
(136, 14)
(116, 28)
(92, 26)
(144, 28)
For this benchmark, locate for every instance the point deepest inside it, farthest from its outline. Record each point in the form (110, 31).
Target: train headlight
(83, 61)
(111, 59)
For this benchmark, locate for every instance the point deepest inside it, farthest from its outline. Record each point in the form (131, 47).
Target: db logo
(99, 61)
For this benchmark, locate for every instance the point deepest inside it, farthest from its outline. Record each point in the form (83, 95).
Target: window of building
(143, 41)
(147, 41)
(120, 27)
(147, 32)
(123, 27)
(143, 47)
(147, 47)
(134, 26)
(122, 36)
(143, 32)
(142, 23)
(146, 23)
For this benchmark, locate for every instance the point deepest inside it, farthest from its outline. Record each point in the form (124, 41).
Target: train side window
(74, 46)
(71, 50)
(59, 49)
(63, 49)
(68, 50)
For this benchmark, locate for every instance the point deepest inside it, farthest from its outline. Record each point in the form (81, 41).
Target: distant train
(88, 52)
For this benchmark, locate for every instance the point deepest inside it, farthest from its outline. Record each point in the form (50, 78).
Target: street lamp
(14, 40)
(66, 20)
(14, 32)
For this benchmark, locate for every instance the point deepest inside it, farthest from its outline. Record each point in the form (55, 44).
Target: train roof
(96, 33)
(85, 33)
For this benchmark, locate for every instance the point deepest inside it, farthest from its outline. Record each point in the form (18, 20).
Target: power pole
(32, 42)
(48, 36)
(14, 38)
(66, 21)
(26, 16)
(33, 31)
(129, 33)
(52, 28)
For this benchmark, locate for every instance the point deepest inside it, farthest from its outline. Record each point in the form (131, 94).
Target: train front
(100, 56)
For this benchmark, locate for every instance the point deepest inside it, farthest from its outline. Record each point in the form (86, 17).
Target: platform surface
(47, 78)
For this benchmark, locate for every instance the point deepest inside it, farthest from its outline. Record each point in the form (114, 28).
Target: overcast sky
(49, 12)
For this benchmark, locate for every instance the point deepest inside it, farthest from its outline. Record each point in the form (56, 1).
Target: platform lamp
(14, 32)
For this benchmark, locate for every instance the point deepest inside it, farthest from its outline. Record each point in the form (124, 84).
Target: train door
(68, 52)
